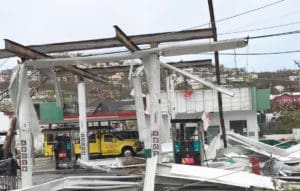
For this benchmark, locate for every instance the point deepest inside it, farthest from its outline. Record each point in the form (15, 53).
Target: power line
(275, 34)
(263, 20)
(239, 14)
(264, 28)
(224, 19)
(251, 37)
(249, 11)
(260, 53)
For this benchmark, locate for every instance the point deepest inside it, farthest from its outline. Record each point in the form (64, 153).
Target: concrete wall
(249, 116)
(238, 107)
(206, 100)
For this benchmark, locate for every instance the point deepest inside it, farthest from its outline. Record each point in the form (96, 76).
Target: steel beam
(170, 50)
(114, 42)
(83, 73)
(125, 40)
(22, 51)
(202, 81)
(27, 53)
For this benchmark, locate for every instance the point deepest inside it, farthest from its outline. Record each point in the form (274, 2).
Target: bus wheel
(127, 151)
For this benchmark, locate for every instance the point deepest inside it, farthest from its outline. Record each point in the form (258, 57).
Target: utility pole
(216, 54)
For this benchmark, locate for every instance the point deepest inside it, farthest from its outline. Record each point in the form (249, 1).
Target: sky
(38, 22)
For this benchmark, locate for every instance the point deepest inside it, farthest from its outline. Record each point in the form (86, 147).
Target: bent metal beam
(27, 53)
(114, 42)
(171, 50)
(202, 81)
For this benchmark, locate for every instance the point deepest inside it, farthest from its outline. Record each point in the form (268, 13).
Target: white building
(279, 88)
(293, 78)
(239, 111)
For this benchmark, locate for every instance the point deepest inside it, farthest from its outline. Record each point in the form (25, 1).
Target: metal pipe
(202, 81)
(170, 50)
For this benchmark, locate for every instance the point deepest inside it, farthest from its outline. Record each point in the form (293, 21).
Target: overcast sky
(37, 22)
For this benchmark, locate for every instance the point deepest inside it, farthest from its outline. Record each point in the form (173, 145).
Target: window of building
(239, 126)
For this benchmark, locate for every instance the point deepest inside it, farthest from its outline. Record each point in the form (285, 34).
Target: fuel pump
(187, 141)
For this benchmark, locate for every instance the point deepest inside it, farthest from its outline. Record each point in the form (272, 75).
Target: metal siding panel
(190, 104)
(208, 99)
(245, 99)
(199, 101)
(215, 103)
(226, 102)
(50, 112)
(181, 105)
(262, 99)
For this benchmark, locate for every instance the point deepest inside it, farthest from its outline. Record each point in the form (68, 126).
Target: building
(293, 78)
(279, 88)
(240, 111)
(291, 100)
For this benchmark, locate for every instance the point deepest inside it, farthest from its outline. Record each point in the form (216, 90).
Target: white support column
(140, 112)
(26, 151)
(152, 70)
(26, 121)
(84, 144)
(171, 95)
